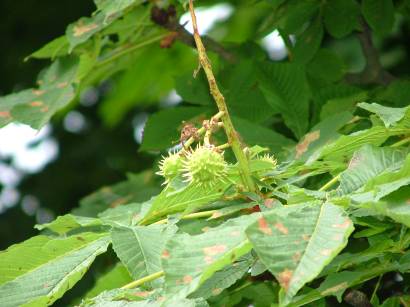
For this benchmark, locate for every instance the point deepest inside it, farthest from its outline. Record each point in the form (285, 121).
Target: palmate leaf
(188, 261)
(296, 242)
(35, 107)
(38, 271)
(139, 248)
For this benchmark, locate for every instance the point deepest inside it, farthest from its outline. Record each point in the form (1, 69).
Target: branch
(168, 20)
(230, 131)
(373, 71)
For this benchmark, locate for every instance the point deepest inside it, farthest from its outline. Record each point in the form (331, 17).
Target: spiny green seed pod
(170, 167)
(268, 159)
(205, 166)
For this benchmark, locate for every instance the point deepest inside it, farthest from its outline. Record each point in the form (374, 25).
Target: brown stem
(373, 71)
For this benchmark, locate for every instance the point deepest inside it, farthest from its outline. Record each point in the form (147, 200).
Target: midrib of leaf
(314, 234)
(142, 252)
(78, 266)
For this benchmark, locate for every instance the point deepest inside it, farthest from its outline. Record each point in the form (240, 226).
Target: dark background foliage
(88, 160)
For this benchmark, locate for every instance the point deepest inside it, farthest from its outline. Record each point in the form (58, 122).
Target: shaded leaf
(308, 43)
(286, 90)
(379, 14)
(254, 134)
(116, 277)
(341, 17)
(138, 188)
(163, 128)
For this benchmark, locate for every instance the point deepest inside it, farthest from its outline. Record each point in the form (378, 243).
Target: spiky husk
(205, 166)
(268, 158)
(171, 166)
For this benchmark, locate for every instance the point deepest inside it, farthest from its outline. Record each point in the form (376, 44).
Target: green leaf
(254, 134)
(384, 184)
(84, 28)
(296, 242)
(340, 104)
(194, 90)
(286, 90)
(326, 65)
(138, 188)
(396, 206)
(309, 148)
(163, 128)
(240, 88)
(296, 14)
(224, 278)
(54, 266)
(68, 222)
(341, 17)
(124, 215)
(116, 277)
(344, 147)
(398, 92)
(186, 199)
(150, 88)
(56, 48)
(390, 116)
(139, 248)
(379, 14)
(35, 107)
(337, 283)
(110, 8)
(367, 163)
(188, 261)
(308, 43)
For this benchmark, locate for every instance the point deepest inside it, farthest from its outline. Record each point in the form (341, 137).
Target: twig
(220, 101)
(373, 71)
(331, 182)
(167, 19)
(401, 142)
(189, 216)
(143, 280)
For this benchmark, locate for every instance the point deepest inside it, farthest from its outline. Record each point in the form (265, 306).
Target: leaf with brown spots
(303, 146)
(35, 107)
(306, 238)
(201, 256)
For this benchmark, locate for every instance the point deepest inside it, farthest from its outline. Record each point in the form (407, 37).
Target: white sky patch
(15, 141)
(139, 122)
(207, 17)
(274, 45)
